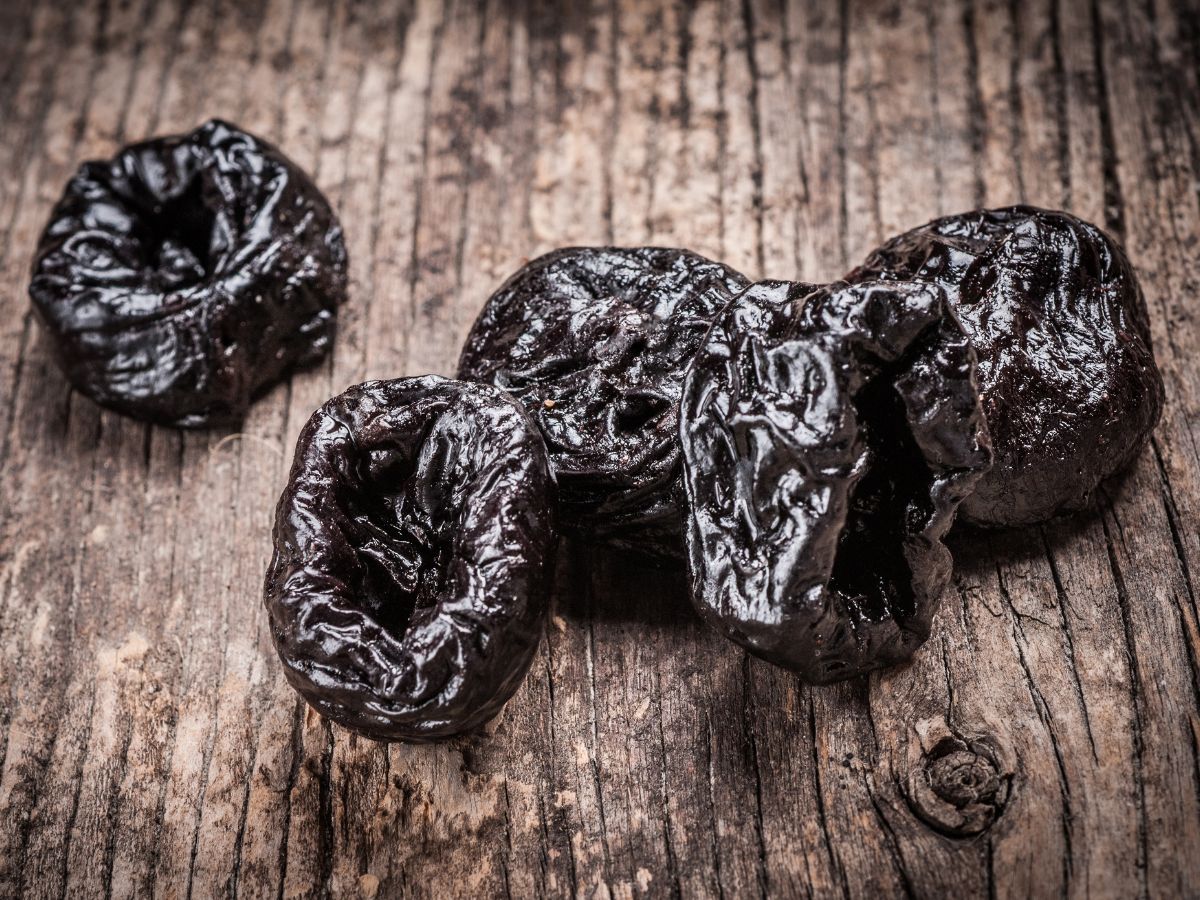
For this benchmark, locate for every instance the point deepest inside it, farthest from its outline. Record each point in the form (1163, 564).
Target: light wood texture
(1045, 742)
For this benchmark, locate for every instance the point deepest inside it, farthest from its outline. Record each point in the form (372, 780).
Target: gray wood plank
(148, 741)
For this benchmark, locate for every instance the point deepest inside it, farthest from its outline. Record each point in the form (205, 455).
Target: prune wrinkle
(1066, 367)
(594, 341)
(413, 540)
(828, 437)
(185, 275)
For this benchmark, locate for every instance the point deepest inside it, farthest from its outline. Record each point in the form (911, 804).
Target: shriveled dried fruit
(594, 341)
(413, 543)
(1055, 314)
(827, 441)
(188, 273)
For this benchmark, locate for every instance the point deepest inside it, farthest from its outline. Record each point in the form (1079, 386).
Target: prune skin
(828, 438)
(594, 341)
(413, 544)
(183, 276)
(1066, 366)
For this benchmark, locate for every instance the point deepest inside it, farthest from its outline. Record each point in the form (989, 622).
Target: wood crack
(756, 173)
(65, 872)
(326, 839)
(842, 130)
(1189, 615)
(1134, 697)
(892, 843)
(1114, 201)
(977, 114)
(1056, 576)
(508, 842)
(822, 818)
(594, 756)
(1016, 135)
(665, 812)
(1062, 117)
(1043, 712)
(414, 261)
(748, 719)
(935, 112)
(714, 830)
(608, 150)
(298, 708)
(114, 801)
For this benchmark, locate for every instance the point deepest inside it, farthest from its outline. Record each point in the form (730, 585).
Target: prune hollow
(594, 341)
(828, 437)
(1066, 366)
(413, 543)
(183, 276)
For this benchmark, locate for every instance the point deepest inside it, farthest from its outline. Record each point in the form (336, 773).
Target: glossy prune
(186, 274)
(828, 437)
(413, 544)
(1066, 367)
(594, 341)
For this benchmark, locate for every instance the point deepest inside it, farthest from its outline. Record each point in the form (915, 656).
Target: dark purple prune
(594, 341)
(413, 545)
(828, 437)
(182, 277)
(1055, 314)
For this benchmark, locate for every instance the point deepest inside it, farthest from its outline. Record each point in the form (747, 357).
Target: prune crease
(828, 436)
(594, 341)
(413, 543)
(183, 276)
(1066, 366)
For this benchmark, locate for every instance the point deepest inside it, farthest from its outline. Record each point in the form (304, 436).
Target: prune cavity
(828, 438)
(1066, 367)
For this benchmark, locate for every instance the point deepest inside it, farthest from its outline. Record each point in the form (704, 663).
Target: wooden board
(1044, 742)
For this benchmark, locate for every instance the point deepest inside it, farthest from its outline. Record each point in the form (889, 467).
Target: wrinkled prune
(827, 441)
(186, 274)
(1070, 387)
(594, 342)
(413, 544)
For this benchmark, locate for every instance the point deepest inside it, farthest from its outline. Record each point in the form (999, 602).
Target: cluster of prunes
(803, 448)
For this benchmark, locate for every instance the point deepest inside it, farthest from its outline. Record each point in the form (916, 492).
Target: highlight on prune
(1066, 368)
(594, 341)
(828, 437)
(183, 276)
(413, 544)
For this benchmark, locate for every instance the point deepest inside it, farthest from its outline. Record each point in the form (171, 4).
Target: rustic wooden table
(1046, 739)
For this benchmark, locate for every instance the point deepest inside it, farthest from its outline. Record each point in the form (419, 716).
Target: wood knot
(959, 789)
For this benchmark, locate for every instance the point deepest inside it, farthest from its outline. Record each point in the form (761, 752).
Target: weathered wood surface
(1044, 742)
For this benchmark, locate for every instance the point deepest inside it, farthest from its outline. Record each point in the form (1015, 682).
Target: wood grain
(1045, 742)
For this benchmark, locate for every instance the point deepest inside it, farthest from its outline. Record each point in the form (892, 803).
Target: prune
(594, 341)
(186, 274)
(827, 441)
(413, 544)
(1053, 308)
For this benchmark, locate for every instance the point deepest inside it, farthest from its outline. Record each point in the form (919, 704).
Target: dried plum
(186, 274)
(1055, 314)
(413, 543)
(828, 437)
(594, 342)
